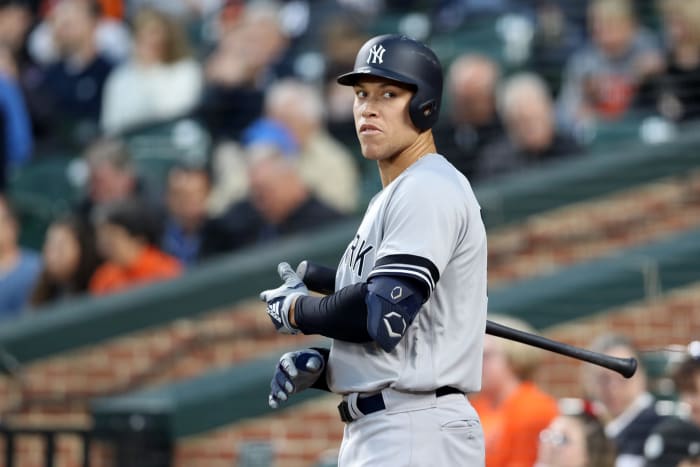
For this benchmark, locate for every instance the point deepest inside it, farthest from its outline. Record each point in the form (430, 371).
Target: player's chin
(371, 151)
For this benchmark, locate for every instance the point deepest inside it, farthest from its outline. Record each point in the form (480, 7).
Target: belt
(375, 403)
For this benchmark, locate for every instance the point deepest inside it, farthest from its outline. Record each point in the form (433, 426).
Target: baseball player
(408, 314)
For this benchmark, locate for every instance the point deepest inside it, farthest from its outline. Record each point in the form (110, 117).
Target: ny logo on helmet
(376, 53)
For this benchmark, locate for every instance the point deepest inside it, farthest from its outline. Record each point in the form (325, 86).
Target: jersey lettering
(356, 254)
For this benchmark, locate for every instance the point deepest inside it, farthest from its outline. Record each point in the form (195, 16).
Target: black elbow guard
(392, 304)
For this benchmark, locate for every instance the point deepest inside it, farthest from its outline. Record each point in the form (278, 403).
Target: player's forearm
(342, 315)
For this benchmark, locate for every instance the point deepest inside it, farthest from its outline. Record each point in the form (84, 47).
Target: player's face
(383, 125)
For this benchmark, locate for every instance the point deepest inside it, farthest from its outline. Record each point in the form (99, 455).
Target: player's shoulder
(433, 174)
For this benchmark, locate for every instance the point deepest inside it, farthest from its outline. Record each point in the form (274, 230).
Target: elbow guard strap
(392, 304)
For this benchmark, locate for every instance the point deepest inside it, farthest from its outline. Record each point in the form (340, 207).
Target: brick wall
(55, 391)
(302, 435)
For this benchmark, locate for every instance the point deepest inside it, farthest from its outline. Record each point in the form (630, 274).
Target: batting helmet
(405, 60)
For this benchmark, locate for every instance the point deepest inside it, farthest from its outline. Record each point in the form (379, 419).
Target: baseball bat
(322, 279)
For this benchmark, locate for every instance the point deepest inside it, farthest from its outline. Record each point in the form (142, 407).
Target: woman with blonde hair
(161, 81)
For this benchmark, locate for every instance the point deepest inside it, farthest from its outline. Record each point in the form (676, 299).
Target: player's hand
(279, 300)
(295, 372)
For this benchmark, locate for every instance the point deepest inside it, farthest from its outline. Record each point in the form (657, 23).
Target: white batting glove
(295, 372)
(279, 300)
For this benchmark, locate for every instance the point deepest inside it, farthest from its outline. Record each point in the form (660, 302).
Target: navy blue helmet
(405, 60)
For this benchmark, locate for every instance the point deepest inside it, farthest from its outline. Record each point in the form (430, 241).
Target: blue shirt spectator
(18, 131)
(19, 268)
(17, 284)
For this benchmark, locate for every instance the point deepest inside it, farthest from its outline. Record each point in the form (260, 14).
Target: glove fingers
(272, 402)
(285, 271)
(284, 381)
(277, 390)
(289, 365)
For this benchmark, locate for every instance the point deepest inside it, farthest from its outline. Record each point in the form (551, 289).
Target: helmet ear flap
(428, 108)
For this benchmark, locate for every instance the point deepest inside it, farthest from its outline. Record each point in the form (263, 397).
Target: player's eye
(389, 94)
(360, 93)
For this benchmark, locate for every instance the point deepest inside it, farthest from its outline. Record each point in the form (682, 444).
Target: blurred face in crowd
(496, 367)
(382, 122)
(73, 25)
(188, 191)
(14, 22)
(263, 38)
(117, 245)
(472, 87)
(614, 391)
(563, 444)
(109, 183)
(8, 229)
(682, 22)
(274, 183)
(530, 122)
(612, 30)
(692, 398)
(151, 36)
(61, 252)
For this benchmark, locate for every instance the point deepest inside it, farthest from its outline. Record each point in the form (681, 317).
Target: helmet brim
(351, 78)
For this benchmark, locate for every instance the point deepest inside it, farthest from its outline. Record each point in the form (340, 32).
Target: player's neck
(391, 168)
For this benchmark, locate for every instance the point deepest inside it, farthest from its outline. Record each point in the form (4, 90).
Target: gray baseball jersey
(426, 224)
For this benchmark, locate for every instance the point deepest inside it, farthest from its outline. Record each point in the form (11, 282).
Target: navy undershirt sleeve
(342, 315)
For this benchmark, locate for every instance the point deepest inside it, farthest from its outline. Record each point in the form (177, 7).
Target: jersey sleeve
(423, 222)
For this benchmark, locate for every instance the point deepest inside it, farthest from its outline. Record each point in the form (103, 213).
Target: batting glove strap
(278, 311)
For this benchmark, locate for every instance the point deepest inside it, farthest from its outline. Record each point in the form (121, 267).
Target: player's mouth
(368, 129)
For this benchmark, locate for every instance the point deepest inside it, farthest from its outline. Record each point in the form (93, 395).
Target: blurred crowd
(79, 77)
(613, 422)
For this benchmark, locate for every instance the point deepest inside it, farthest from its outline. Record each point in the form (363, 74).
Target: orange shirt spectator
(512, 409)
(512, 429)
(151, 265)
(127, 234)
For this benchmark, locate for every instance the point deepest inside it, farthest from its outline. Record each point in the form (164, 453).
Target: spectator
(679, 96)
(111, 36)
(474, 122)
(18, 138)
(512, 409)
(575, 440)
(187, 225)
(248, 57)
(687, 380)
(557, 37)
(526, 109)
(69, 260)
(162, 79)
(674, 443)
(19, 268)
(67, 97)
(630, 410)
(603, 79)
(127, 237)
(111, 176)
(279, 203)
(15, 21)
(324, 164)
